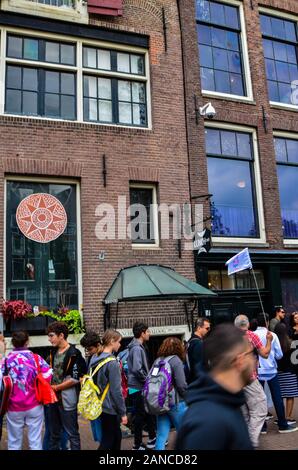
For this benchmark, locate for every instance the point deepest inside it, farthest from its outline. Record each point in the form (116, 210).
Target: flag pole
(260, 299)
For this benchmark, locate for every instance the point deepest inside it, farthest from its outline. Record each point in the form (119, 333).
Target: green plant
(72, 318)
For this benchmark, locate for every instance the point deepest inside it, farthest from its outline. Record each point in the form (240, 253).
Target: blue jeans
(174, 416)
(59, 420)
(278, 403)
(96, 429)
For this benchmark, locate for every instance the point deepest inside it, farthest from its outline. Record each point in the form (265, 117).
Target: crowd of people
(211, 389)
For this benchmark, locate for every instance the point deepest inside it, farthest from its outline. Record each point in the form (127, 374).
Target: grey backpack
(159, 393)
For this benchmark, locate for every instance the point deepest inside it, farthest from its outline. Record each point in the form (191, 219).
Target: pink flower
(15, 309)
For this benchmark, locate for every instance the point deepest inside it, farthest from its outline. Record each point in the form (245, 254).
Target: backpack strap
(37, 363)
(101, 364)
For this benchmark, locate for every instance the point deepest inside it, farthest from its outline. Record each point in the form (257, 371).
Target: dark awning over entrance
(153, 282)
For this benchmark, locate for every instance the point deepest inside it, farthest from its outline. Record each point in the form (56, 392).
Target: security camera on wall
(208, 111)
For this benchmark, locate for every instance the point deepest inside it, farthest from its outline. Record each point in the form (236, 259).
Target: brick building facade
(54, 151)
(258, 46)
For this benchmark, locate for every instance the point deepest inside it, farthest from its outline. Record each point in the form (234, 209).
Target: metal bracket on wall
(164, 24)
(265, 120)
(251, 4)
(179, 247)
(104, 171)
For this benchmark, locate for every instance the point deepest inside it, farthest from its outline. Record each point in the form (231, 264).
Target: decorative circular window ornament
(41, 217)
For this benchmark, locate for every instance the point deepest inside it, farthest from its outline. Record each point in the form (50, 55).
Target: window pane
(207, 77)
(217, 13)
(266, 25)
(273, 91)
(202, 10)
(219, 37)
(125, 113)
(285, 93)
(68, 107)
(232, 202)
(243, 143)
(51, 105)
(139, 115)
(231, 15)
(260, 279)
(268, 48)
(234, 62)
(123, 62)
(104, 88)
(228, 282)
(137, 64)
(138, 92)
(30, 79)
(206, 56)
(291, 31)
(280, 51)
(292, 147)
(270, 69)
(68, 54)
(124, 92)
(212, 142)
(228, 143)
(52, 52)
(52, 82)
(67, 84)
(14, 48)
(293, 70)
(31, 49)
(89, 57)
(278, 28)
(105, 111)
(287, 179)
(30, 103)
(222, 82)
(214, 280)
(204, 34)
(14, 77)
(243, 280)
(236, 84)
(13, 101)
(291, 54)
(280, 150)
(232, 41)
(90, 86)
(90, 110)
(104, 59)
(220, 57)
(282, 72)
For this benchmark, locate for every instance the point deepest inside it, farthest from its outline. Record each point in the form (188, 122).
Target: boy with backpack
(68, 367)
(138, 369)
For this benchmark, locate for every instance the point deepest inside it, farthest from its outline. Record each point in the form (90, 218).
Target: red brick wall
(229, 111)
(65, 149)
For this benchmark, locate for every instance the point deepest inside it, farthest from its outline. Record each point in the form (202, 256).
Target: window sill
(286, 107)
(79, 14)
(257, 243)
(293, 243)
(224, 96)
(147, 247)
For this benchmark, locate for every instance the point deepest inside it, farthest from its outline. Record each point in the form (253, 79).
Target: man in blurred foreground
(214, 420)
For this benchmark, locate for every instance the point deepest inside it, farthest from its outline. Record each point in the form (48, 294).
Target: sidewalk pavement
(271, 441)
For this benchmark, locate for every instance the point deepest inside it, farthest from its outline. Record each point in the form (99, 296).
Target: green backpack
(91, 399)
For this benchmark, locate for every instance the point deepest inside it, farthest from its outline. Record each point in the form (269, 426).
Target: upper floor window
(231, 183)
(74, 81)
(280, 43)
(286, 152)
(220, 48)
(143, 212)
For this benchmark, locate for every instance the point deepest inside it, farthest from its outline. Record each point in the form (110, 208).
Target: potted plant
(18, 316)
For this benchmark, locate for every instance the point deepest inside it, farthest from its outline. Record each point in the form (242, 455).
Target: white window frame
(78, 70)
(292, 136)
(78, 14)
(245, 61)
(283, 16)
(261, 240)
(78, 217)
(148, 246)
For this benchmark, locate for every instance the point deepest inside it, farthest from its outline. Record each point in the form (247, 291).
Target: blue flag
(239, 262)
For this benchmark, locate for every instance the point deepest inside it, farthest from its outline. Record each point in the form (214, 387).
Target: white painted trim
(287, 107)
(245, 61)
(160, 331)
(278, 13)
(79, 70)
(227, 96)
(291, 241)
(50, 180)
(258, 188)
(148, 246)
(78, 14)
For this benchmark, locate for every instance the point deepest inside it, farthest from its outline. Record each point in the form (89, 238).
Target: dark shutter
(106, 7)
